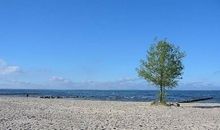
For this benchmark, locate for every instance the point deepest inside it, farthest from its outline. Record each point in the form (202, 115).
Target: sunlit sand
(35, 113)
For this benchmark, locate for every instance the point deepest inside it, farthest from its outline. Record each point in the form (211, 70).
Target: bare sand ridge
(48, 114)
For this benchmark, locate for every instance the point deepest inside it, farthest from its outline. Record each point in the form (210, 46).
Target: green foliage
(163, 66)
(156, 103)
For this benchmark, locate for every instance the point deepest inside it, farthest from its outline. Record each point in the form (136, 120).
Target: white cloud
(57, 82)
(59, 79)
(126, 83)
(15, 84)
(6, 69)
(198, 85)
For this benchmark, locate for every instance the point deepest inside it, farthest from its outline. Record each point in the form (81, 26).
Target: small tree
(163, 67)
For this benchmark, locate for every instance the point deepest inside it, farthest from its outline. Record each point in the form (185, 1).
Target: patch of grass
(157, 103)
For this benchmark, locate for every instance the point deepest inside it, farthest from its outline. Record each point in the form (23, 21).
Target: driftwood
(196, 100)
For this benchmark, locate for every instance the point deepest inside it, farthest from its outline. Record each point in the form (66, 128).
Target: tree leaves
(163, 66)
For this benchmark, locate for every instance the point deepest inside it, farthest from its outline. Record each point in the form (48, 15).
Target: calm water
(115, 95)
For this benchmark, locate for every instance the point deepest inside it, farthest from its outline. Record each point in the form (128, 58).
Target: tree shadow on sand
(206, 107)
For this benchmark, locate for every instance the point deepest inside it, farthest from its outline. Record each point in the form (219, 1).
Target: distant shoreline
(107, 89)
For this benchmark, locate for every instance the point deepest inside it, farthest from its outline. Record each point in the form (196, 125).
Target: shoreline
(192, 104)
(87, 99)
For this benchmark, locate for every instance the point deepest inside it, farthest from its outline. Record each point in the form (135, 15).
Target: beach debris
(174, 104)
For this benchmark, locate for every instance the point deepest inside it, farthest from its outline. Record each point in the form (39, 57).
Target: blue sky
(84, 44)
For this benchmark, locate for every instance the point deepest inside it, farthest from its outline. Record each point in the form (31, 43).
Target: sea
(116, 95)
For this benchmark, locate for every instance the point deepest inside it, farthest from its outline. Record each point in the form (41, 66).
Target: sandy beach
(66, 114)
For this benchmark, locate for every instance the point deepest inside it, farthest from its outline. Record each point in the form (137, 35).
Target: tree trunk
(161, 94)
